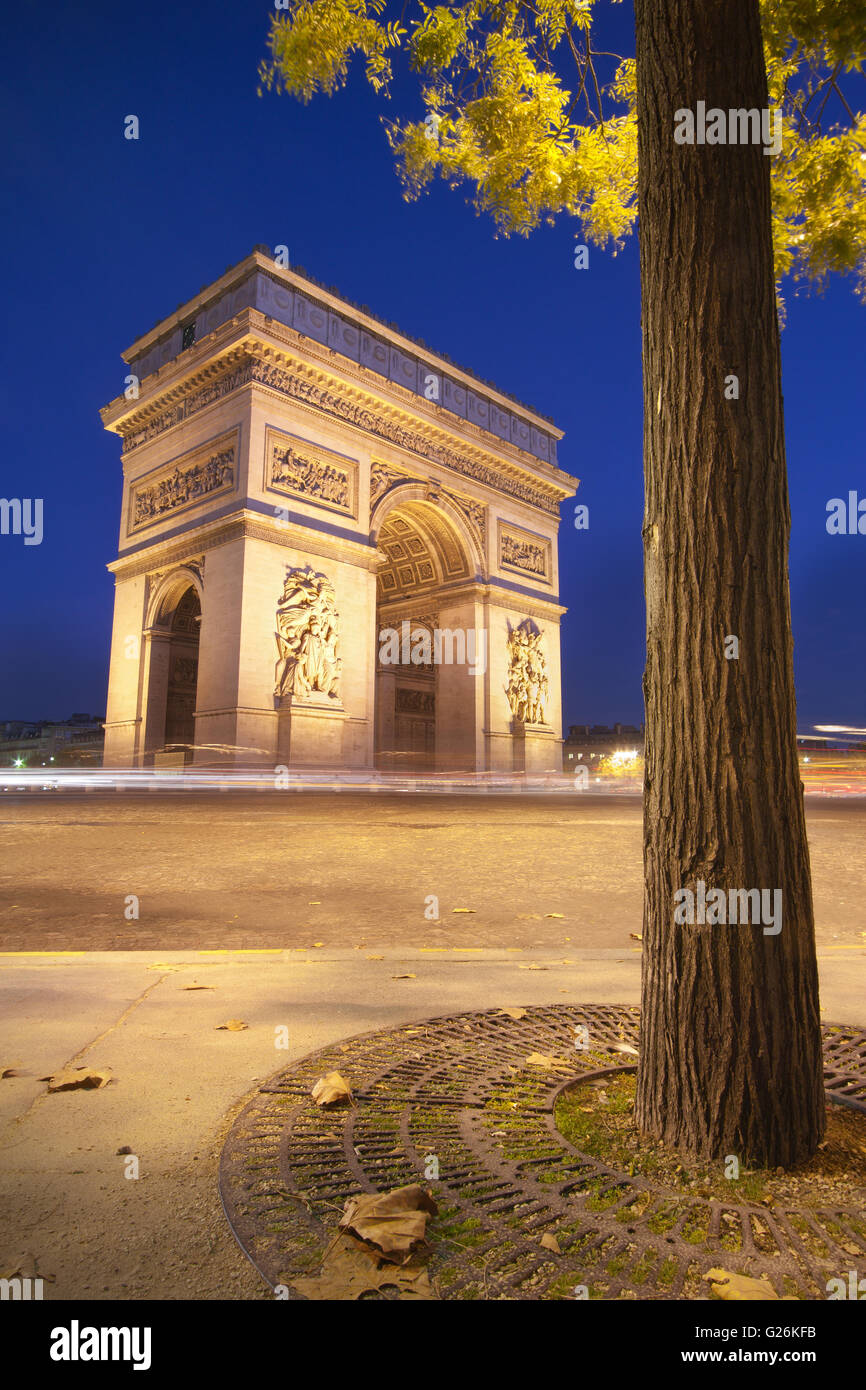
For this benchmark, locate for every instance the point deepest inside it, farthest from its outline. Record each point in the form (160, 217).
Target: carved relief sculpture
(528, 685)
(183, 486)
(185, 670)
(523, 555)
(415, 701)
(382, 478)
(310, 477)
(307, 639)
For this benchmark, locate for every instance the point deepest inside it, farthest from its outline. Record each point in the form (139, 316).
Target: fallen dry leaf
(514, 1012)
(198, 986)
(626, 1047)
(349, 1273)
(25, 1266)
(539, 1059)
(554, 914)
(331, 1089)
(317, 944)
(392, 1224)
(532, 967)
(77, 1079)
(636, 935)
(375, 957)
(463, 909)
(739, 1288)
(404, 977)
(8, 1071)
(550, 1242)
(234, 1025)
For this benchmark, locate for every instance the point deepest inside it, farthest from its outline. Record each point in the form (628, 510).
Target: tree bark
(730, 1055)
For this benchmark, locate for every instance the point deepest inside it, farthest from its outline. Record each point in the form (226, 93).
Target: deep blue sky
(103, 236)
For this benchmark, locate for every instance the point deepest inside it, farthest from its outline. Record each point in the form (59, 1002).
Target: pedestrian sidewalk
(69, 1213)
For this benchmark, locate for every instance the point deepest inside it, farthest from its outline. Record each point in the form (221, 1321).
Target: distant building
(73, 742)
(590, 742)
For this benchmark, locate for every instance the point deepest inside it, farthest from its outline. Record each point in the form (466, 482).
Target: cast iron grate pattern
(461, 1090)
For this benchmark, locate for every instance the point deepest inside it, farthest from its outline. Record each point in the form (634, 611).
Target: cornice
(208, 358)
(209, 536)
(438, 597)
(312, 382)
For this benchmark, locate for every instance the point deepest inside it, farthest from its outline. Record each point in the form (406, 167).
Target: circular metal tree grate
(460, 1096)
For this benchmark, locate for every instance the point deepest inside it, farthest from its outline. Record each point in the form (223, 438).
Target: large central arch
(426, 710)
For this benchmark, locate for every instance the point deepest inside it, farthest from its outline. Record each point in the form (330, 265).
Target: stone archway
(179, 732)
(171, 669)
(428, 699)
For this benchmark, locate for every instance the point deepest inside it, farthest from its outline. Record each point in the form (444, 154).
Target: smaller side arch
(169, 591)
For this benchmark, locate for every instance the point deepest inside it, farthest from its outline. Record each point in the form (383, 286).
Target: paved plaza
(283, 869)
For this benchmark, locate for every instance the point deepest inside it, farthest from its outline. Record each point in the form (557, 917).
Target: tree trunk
(730, 1056)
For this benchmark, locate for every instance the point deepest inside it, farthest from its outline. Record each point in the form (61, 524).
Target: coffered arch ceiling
(421, 549)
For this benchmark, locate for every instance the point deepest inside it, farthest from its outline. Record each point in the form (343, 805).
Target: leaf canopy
(523, 108)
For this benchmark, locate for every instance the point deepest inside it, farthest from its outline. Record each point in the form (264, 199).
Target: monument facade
(337, 549)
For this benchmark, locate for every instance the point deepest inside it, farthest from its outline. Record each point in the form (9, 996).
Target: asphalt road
(279, 870)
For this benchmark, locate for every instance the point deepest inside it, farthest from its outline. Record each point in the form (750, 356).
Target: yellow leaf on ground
(317, 944)
(390, 1225)
(539, 1059)
(234, 1025)
(375, 957)
(404, 977)
(636, 935)
(554, 914)
(738, 1288)
(532, 967)
(514, 1012)
(550, 1242)
(463, 909)
(77, 1079)
(331, 1089)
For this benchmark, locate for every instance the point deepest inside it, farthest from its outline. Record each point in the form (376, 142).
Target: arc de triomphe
(336, 548)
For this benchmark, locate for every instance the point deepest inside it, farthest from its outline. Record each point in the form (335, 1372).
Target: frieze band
(264, 373)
